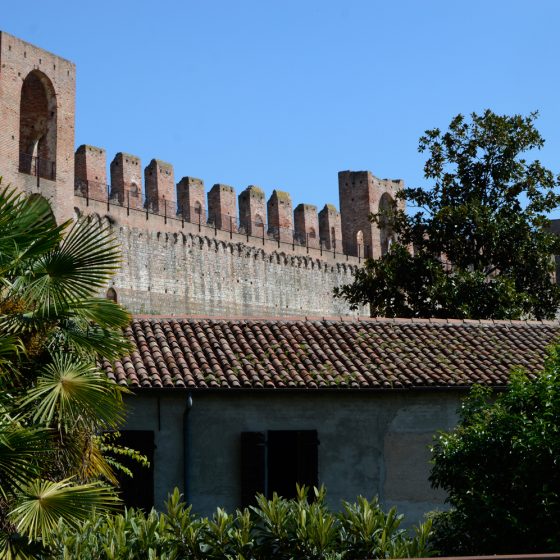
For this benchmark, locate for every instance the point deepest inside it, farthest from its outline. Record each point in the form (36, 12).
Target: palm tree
(55, 402)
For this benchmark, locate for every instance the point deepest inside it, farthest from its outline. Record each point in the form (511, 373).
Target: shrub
(275, 529)
(499, 468)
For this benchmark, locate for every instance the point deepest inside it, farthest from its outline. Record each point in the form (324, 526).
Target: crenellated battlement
(348, 232)
(185, 249)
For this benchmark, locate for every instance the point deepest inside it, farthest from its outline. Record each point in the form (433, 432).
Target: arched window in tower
(197, 208)
(386, 235)
(312, 233)
(259, 222)
(360, 244)
(37, 126)
(112, 294)
(333, 238)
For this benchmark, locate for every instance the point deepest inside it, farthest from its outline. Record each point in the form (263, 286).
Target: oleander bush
(275, 529)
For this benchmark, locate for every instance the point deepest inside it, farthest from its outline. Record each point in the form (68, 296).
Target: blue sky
(284, 94)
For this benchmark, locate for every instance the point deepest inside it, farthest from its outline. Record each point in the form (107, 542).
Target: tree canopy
(499, 467)
(478, 244)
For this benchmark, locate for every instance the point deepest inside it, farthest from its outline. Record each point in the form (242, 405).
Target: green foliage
(114, 537)
(43, 503)
(275, 529)
(54, 400)
(113, 452)
(296, 528)
(500, 469)
(481, 248)
(368, 532)
(70, 394)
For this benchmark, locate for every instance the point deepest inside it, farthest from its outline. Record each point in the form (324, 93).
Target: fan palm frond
(93, 341)
(14, 546)
(20, 451)
(28, 230)
(95, 327)
(103, 312)
(83, 263)
(11, 347)
(44, 503)
(70, 394)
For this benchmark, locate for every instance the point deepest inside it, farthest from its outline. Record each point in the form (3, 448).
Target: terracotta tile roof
(312, 354)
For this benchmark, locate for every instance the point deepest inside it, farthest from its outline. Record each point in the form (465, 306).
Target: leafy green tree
(478, 245)
(54, 401)
(500, 469)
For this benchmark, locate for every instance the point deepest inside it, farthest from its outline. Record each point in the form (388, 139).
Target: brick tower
(37, 99)
(252, 211)
(280, 216)
(191, 200)
(306, 225)
(361, 194)
(126, 180)
(222, 211)
(160, 188)
(330, 228)
(90, 172)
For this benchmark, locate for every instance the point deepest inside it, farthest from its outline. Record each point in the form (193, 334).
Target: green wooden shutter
(253, 466)
(308, 458)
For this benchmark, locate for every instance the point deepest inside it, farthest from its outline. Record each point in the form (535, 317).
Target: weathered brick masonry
(37, 96)
(361, 193)
(252, 211)
(191, 199)
(90, 172)
(181, 255)
(306, 224)
(170, 273)
(126, 181)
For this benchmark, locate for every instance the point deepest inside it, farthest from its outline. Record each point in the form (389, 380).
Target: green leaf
(70, 393)
(21, 449)
(480, 247)
(44, 503)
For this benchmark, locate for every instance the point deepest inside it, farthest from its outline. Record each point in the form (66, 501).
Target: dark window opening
(275, 461)
(387, 208)
(138, 491)
(37, 127)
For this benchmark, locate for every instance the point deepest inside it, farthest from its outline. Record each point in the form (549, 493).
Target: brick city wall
(178, 273)
(172, 267)
(184, 250)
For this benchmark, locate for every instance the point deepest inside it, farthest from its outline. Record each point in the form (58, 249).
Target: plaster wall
(371, 443)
